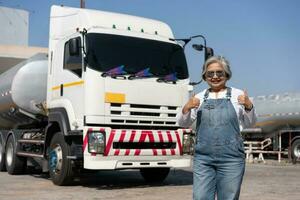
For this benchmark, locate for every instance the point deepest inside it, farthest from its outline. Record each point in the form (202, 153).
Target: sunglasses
(211, 74)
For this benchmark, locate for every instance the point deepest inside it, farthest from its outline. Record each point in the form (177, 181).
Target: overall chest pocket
(215, 113)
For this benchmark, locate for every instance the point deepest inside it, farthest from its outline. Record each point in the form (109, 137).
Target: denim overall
(219, 160)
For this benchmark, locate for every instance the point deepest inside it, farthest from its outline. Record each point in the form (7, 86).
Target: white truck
(105, 97)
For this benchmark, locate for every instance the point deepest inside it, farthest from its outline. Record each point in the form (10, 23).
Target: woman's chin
(217, 85)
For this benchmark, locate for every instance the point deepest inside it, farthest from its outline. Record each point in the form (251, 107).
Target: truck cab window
(73, 62)
(107, 51)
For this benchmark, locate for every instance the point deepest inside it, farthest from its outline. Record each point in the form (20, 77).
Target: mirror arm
(201, 36)
(196, 83)
(83, 33)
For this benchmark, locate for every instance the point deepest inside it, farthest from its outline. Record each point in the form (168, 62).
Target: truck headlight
(188, 143)
(96, 142)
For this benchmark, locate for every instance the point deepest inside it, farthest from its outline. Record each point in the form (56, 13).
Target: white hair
(217, 59)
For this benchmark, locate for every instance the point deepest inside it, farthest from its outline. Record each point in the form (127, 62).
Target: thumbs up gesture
(193, 102)
(245, 101)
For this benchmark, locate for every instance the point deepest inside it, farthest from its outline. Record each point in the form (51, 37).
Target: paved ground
(262, 181)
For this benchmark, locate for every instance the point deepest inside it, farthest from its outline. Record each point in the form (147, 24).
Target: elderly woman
(221, 112)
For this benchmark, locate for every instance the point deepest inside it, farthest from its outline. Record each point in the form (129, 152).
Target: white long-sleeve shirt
(246, 118)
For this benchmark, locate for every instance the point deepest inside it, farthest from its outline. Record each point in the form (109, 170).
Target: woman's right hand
(193, 102)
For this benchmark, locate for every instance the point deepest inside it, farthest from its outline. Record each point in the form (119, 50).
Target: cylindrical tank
(23, 90)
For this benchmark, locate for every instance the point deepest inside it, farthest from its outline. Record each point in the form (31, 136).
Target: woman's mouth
(215, 81)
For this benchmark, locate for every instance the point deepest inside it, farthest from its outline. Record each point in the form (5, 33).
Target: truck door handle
(61, 90)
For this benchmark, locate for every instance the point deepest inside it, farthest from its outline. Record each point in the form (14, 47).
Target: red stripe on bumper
(86, 139)
(161, 139)
(123, 133)
(179, 142)
(141, 140)
(109, 143)
(170, 140)
(151, 139)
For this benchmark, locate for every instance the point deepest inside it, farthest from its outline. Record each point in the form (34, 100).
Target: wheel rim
(55, 159)
(9, 154)
(297, 151)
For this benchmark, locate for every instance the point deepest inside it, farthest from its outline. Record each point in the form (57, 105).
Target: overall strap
(206, 95)
(228, 93)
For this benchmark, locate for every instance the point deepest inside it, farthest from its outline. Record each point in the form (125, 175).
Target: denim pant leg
(204, 187)
(229, 179)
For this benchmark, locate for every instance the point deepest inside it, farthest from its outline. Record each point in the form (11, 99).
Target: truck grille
(144, 145)
(140, 114)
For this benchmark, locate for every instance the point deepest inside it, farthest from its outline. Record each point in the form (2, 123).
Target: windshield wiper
(117, 72)
(170, 78)
(145, 73)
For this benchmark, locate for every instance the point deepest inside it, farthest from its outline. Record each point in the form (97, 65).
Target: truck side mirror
(74, 46)
(209, 52)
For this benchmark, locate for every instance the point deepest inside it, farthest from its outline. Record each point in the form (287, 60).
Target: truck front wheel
(154, 175)
(2, 154)
(296, 150)
(14, 163)
(60, 168)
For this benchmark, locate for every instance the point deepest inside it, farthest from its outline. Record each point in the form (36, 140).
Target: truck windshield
(106, 52)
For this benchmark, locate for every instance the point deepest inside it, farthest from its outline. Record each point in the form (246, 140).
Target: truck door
(67, 81)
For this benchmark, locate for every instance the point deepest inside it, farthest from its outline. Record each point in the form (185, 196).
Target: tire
(2, 154)
(60, 168)
(296, 150)
(154, 175)
(14, 164)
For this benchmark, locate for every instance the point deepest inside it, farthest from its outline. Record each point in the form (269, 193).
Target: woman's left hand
(245, 100)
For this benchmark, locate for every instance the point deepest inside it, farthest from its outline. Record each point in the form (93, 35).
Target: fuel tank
(23, 90)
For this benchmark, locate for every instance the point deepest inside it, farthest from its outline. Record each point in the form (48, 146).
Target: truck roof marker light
(114, 26)
(128, 28)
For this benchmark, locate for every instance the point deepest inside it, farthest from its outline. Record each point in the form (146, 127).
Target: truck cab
(118, 82)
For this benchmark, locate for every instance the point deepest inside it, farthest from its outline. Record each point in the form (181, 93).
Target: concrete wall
(14, 25)
(10, 55)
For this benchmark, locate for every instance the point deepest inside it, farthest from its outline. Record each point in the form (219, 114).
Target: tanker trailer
(278, 120)
(22, 100)
(23, 93)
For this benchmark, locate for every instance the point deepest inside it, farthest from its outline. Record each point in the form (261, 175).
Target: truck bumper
(131, 163)
(127, 148)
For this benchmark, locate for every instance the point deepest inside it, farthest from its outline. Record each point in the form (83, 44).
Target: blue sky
(260, 38)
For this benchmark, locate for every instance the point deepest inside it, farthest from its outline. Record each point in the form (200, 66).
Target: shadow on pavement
(121, 179)
(110, 180)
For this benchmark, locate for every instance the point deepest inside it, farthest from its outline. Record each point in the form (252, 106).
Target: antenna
(82, 3)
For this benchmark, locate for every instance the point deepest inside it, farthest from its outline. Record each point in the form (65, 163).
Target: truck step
(31, 141)
(25, 154)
